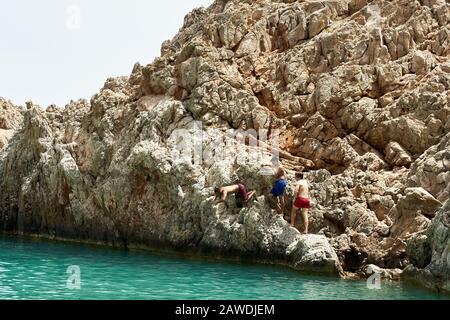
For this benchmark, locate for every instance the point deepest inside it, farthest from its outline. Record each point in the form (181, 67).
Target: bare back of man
(301, 201)
(237, 189)
(303, 189)
(222, 194)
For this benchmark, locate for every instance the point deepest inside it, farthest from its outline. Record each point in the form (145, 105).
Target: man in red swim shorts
(301, 200)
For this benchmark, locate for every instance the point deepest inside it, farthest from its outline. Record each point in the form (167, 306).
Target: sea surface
(35, 269)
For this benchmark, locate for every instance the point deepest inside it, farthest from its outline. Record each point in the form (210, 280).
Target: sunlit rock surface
(358, 90)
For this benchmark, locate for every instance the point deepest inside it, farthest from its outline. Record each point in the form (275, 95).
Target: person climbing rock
(278, 190)
(301, 200)
(242, 197)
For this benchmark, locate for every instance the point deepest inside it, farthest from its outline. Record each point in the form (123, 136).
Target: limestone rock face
(419, 251)
(434, 245)
(396, 155)
(432, 170)
(10, 120)
(357, 90)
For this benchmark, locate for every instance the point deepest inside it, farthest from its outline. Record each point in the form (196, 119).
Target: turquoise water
(38, 270)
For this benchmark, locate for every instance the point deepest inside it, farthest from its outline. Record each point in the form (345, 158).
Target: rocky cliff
(430, 253)
(358, 90)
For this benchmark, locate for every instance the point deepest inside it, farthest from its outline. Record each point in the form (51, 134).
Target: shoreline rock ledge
(257, 232)
(357, 89)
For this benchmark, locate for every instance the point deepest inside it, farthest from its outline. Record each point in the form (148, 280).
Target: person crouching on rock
(241, 195)
(279, 187)
(301, 200)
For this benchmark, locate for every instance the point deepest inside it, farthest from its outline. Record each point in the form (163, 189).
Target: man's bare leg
(250, 196)
(293, 216)
(305, 219)
(269, 198)
(283, 204)
(275, 203)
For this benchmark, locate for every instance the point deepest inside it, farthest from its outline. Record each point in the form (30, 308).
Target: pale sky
(52, 51)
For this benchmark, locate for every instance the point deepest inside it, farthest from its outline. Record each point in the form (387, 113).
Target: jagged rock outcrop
(388, 274)
(358, 91)
(430, 254)
(10, 120)
(432, 170)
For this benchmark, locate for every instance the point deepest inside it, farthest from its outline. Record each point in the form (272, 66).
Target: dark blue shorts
(278, 188)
